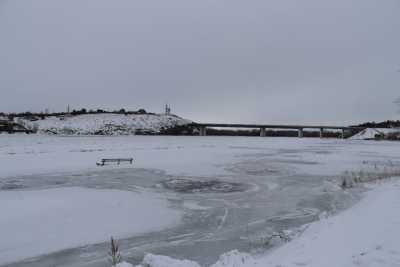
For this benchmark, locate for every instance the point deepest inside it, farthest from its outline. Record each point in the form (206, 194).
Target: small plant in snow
(375, 172)
(344, 183)
(115, 255)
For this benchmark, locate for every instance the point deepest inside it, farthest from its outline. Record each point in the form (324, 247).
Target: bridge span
(300, 128)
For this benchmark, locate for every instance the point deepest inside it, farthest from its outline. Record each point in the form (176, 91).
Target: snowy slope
(365, 235)
(371, 133)
(104, 124)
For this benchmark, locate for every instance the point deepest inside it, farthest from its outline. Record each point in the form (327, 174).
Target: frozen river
(230, 192)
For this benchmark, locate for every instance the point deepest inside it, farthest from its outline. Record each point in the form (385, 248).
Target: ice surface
(191, 155)
(365, 235)
(42, 221)
(289, 182)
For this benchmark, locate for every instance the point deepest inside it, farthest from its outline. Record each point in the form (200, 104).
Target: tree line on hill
(74, 112)
(383, 124)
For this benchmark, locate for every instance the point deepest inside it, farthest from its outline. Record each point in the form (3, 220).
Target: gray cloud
(240, 61)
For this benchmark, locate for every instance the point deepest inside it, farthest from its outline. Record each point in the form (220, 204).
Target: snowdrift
(374, 133)
(104, 124)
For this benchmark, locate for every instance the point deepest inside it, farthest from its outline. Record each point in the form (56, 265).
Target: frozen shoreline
(366, 234)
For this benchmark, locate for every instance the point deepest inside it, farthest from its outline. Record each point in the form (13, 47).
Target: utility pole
(167, 109)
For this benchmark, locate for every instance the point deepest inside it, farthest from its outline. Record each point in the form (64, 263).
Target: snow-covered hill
(103, 124)
(375, 133)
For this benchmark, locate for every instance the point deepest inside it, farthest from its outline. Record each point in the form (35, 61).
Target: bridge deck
(274, 126)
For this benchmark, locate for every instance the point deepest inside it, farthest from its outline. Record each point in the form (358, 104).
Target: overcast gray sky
(308, 61)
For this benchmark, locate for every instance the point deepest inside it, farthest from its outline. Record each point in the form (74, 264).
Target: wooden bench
(118, 161)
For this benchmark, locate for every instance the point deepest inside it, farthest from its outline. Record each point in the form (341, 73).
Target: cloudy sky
(309, 61)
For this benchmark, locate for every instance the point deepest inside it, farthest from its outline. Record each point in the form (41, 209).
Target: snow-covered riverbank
(365, 235)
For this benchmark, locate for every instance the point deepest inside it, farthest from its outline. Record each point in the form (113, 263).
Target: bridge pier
(262, 132)
(301, 133)
(321, 132)
(343, 133)
(203, 131)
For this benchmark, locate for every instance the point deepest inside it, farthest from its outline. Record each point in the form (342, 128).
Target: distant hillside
(101, 123)
(378, 134)
(383, 124)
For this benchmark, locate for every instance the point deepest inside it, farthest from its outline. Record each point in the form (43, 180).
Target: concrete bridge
(300, 128)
